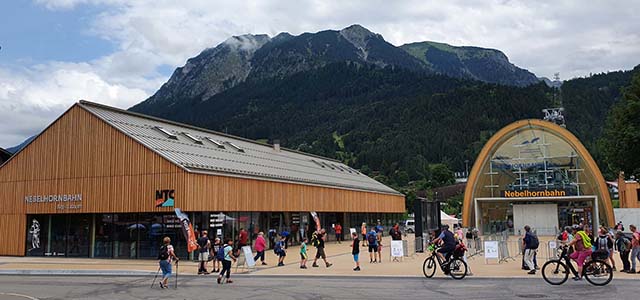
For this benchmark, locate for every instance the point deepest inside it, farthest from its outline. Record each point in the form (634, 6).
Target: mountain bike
(454, 266)
(556, 272)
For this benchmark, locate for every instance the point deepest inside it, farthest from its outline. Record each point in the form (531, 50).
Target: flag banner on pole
(316, 219)
(187, 230)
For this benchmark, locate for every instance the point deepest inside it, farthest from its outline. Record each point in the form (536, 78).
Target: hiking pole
(154, 278)
(177, 272)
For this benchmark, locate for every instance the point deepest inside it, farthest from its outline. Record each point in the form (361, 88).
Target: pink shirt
(261, 244)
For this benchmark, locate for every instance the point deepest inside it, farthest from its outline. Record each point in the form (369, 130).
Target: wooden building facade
(102, 182)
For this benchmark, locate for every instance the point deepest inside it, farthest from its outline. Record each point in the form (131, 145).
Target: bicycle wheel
(457, 268)
(429, 267)
(555, 272)
(598, 272)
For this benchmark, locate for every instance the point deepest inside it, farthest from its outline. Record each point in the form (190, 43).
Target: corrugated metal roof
(249, 159)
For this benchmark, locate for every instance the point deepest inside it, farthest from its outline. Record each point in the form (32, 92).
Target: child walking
(282, 251)
(355, 250)
(303, 254)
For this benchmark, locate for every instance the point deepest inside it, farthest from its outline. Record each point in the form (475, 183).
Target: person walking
(226, 261)
(355, 251)
(379, 240)
(363, 231)
(303, 253)
(165, 257)
(260, 246)
(338, 229)
(319, 244)
(372, 240)
(605, 242)
(635, 248)
(204, 247)
(217, 244)
(624, 246)
(280, 250)
(530, 243)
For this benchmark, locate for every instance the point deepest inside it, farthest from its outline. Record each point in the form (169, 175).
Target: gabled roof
(200, 150)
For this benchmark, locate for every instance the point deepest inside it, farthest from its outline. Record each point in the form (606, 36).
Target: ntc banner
(187, 230)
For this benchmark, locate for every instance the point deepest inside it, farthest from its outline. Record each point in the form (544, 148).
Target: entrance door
(543, 218)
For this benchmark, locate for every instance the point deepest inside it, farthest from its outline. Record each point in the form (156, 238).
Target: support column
(92, 236)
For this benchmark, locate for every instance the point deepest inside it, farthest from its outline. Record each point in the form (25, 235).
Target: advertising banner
(187, 230)
(316, 219)
(491, 249)
(397, 249)
(246, 250)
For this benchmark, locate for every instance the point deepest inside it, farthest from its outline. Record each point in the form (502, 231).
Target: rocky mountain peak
(358, 35)
(247, 42)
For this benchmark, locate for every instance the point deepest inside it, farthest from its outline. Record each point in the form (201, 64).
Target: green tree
(620, 143)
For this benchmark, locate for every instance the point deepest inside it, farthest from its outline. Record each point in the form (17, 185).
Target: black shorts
(446, 251)
(320, 253)
(373, 248)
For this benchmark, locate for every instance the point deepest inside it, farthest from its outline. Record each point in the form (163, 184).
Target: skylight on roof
(168, 133)
(193, 138)
(317, 163)
(218, 144)
(234, 146)
(328, 165)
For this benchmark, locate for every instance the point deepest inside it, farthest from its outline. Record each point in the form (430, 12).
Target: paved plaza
(338, 254)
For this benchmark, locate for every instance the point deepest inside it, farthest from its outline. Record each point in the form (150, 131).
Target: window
(234, 146)
(317, 163)
(193, 138)
(328, 165)
(218, 144)
(166, 132)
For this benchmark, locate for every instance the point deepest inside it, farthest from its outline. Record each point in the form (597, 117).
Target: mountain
(488, 65)
(19, 147)
(257, 57)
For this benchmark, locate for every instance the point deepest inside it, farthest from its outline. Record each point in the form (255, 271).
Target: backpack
(372, 239)
(603, 243)
(469, 235)
(164, 253)
(220, 253)
(535, 243)
(314, 239)
(277, 248)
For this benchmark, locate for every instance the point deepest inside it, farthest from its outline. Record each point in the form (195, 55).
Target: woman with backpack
(165, 258)
(227, 257)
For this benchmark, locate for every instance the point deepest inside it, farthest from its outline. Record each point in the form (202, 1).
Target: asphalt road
(254, 287)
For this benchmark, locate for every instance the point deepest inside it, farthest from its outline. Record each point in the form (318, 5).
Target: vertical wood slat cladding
(80, 153)
(13, 233)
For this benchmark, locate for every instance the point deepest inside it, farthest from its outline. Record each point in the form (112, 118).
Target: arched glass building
(534, 172)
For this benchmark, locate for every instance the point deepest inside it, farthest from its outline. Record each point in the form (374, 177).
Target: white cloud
(571, 37)
(30, 99)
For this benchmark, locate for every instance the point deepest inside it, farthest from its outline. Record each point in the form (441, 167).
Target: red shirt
(243, 237)
(338, 229)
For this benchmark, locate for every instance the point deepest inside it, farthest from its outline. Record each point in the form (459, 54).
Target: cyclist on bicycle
(582, 245)
(448, 241)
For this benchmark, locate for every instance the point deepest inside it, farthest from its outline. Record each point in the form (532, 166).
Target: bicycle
(556, 271)
(454, 266)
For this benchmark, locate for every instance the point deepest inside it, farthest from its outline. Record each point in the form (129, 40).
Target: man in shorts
(204, 246)
(320, 249)
(448, 243)
(372, 240)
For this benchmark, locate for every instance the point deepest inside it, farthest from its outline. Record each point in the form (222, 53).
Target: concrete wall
(628, 216)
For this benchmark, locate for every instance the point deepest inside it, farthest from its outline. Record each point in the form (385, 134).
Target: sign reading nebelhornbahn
(528, 193)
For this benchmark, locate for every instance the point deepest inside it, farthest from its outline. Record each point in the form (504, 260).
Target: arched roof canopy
(551, 158)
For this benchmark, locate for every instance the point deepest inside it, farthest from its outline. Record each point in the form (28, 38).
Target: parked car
(410, 226)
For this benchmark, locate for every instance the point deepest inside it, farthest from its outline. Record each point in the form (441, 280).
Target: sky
(119, 52)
